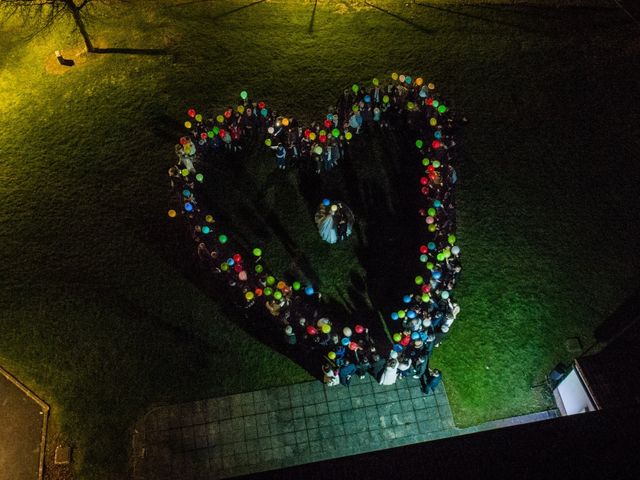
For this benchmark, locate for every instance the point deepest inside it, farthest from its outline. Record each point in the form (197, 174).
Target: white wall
(573, 395)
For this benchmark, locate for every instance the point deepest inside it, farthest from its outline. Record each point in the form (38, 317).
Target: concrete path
(285, 426)
(22, 427)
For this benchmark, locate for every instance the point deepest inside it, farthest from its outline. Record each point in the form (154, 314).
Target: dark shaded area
(20, 433)
(387, 206)
(592, 445)
(494, 21)
(625, 316)
(529, 16)
(631, 8)
(613, 374)
(527, 11)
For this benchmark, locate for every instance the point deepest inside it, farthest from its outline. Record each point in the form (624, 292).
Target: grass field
(102, 313)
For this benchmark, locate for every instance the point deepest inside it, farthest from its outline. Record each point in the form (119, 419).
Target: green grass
(101, 315)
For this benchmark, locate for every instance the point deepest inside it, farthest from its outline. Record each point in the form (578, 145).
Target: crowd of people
(426, 313)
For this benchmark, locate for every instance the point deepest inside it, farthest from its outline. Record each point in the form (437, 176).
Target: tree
(47, 12)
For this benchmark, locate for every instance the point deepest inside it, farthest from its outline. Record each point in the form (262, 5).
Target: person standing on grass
(416, 349)
(327, 159)
(317, 157)
(248, 123)
(281, 156)
(431, 382)
(355, 121)
(234, 131)
(184, 159)
(341, 229)
(333, 147)
(292, 145)
(289, 336)
(274, 307)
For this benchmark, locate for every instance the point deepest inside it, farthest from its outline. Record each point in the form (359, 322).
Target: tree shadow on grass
(402, 19)
(527, 11)
(494, 21)
(133, 51)
(313, 16)
(220, 15)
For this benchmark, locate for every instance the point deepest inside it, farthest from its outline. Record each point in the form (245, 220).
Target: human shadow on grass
(256, 322)
(261, 222)
(390, 225)
(190, 348)
(301, 265)
(378, 183)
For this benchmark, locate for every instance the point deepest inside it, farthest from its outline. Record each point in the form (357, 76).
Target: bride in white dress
(325, 219)
(390, 374)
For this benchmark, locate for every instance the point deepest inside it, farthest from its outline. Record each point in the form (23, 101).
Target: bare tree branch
(42, 14)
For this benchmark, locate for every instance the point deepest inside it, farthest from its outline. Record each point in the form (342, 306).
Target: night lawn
(103, 311)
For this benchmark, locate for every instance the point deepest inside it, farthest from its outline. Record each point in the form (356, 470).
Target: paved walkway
(285, 426)
(23, 420)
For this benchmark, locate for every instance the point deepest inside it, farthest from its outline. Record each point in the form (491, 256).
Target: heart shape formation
(426, 312)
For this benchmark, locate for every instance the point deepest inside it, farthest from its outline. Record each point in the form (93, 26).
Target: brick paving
(280, 427)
